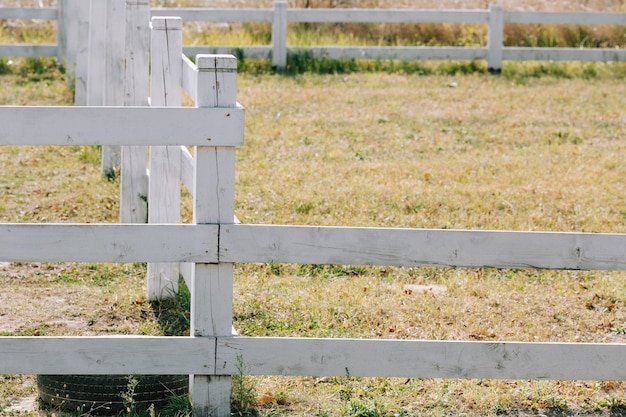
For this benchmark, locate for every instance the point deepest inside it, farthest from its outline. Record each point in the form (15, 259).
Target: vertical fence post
(164, 185)
(62, 32)
(78, 47)
(96, 53)
(495, 39)
(279, 35)
(134, 181)
(114, 74)
(214, 201)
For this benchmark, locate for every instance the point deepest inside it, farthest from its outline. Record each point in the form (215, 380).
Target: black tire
(102, 394)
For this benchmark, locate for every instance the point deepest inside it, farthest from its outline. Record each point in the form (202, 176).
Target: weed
(243, 392)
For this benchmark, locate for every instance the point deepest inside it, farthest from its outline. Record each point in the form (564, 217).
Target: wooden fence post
(164, 185)
(279, 35)
(495, 39)
(63, 19)
(214, 201)
(78, 48)
(133, 180)
(96, 53)
(105, 86)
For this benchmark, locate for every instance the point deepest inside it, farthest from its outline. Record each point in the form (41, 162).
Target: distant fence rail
(495, 17)
(280, 15)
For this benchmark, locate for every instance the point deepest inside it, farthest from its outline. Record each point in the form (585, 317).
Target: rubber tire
(102, 394)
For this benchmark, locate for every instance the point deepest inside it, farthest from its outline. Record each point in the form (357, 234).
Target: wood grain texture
(58, 125)
(125, 355)
(107, 243)
(422, 247)
(422, 359)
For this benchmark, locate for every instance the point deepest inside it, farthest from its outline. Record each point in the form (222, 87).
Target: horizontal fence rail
(311, 356)
(422, 247)
(108, 243)
(280, 15)
(495, 17)
(421, 359)
(122, 126)
(122, 355)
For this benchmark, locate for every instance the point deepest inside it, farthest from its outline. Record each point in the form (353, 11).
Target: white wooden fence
(213, 242)
(280, 15)
(495, 17)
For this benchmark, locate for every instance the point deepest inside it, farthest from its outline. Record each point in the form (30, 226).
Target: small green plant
(243, 392)
(128, 396)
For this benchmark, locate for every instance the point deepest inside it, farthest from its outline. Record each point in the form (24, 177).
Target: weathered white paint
(125, 355)
(187, 169)
(164, 186)
(422, 247)
(134, 160)
(108, 243)
(213, 202)
(190, 78)
(79, 39)
(421, 359)
(115, 31)
(121, 126)
(495, 38)
(279, 35)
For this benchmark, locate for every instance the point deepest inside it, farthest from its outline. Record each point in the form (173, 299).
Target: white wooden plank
(187, 169)
(214, 195)
(564, 54)
(96, 52)
(571, 18)
(422, 247)
(121, 126)
(28, 13)
(134, 159)
(216, 15)
(412, 53)
(495, 38)
(62, 26)
(81, 70)
(190, 78)
(339, 15)
(34, 51)
(279, 35)
(107, 243)
(164, 185)
(422, 359)
(125, 355)
(113, 73)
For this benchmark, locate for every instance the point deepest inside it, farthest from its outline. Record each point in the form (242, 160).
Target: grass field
(441, 145)
(394, 150)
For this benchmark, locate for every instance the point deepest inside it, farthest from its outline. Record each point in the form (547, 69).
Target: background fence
(72, 14)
